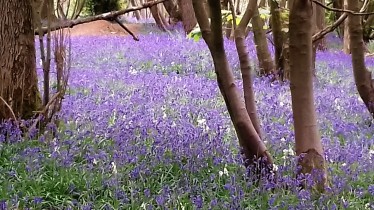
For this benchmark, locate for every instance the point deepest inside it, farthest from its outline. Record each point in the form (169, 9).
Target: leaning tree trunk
(245, 66)
(363, 79)
(266, 64)
(18, 78)
(308, 141)
(252, 146)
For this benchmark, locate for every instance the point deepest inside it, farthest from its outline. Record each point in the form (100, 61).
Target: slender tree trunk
(308, 141)
(266, 64)
(245, 66)
(276, 26)
(346, 39)
(363, 79)
(321, 24)
(253, 147)
(188, 15)
(18, 79)
(339, 5)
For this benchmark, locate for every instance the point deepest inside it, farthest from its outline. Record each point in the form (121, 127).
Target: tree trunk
(48, 11)
(171, 7)
(18, 78)
(276, 26)
(158, 17)
(363, 79)
(252, 146)
(320, 23)
(266, 64)
(339, 5)
(188, 15)
(308, 141)
(346, 39)
(245, 66)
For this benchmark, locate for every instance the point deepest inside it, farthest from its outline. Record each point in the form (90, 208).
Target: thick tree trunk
(18, 79)
(266, 64)
(48, 10)
(363, 79)
(308, 141)
(250, 141)
(339, 5)
(276, 26)
(188, 15)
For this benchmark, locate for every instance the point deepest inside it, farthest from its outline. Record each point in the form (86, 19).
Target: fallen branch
(105, 16)
(126, 29)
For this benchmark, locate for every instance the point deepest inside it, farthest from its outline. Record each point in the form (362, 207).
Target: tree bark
(276, 26)
(172, 8)
(18, 78)
(188, 15)
(320, 25)
(137, 12)
(308, 141)
(363, 79)
(266, 64)
(158, 17)
(346, 39)
(252, 146)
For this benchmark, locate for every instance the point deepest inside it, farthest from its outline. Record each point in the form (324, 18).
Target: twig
(319, 35)
(54, 97)
(105, 16)
(10, 108)
(126, 29)
(341, 10)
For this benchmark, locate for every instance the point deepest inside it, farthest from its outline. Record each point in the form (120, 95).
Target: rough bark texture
(188, 15)
(276, 26)
(18, 79)
(252, 146)
(363, 79)
(266, 64)
(308, 141)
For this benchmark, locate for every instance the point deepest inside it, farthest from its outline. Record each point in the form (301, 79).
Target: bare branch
(319, 35)
(105, 16)
(10, 108)
(342, 10)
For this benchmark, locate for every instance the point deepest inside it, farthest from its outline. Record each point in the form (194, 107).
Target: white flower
(344, 164)
(283, 139)
(94, 161)
(220, 173)
(275, 167)
(114, 168)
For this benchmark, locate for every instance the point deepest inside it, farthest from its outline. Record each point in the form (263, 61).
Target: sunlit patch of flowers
(143, 126)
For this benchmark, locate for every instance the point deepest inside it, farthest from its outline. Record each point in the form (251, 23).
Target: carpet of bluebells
(143, 126)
